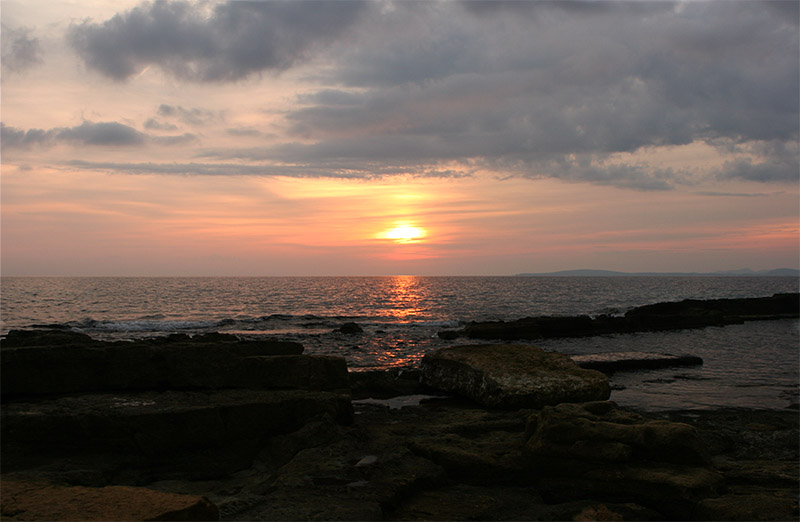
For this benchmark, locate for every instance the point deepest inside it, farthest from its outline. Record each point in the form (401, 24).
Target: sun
(404, 233)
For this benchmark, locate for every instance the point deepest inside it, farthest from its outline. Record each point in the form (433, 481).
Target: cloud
(762, 171)
(761, 161)
(194, 116)
(20, 50)
(154, 124)
(11, 137)
(229, 42)
(244, 132)
(87, 133)
(528, 86)
(532, 89)
(180, 139)
(239, 169)
(103, 133)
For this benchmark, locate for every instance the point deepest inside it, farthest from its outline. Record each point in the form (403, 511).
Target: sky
(212, 138)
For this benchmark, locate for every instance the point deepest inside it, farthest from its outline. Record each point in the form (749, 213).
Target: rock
(750, 506)
(511, 376)
(384, 384)
(690, 313)
(350, 329)
(449, 335)
(326, 483)
(199, 433)
(595, 450)
(17, 338)
(611, 362)
(532, 328)
(120, 366)
(24, 500)
(308, 372)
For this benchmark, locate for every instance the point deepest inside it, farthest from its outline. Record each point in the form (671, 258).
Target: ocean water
(751, 365)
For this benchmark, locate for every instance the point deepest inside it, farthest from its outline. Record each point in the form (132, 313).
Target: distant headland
(745, 272)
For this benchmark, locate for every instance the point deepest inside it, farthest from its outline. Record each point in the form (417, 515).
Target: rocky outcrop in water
(689, 313)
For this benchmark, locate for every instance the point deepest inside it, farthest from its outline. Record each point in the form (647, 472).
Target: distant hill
(778, 272)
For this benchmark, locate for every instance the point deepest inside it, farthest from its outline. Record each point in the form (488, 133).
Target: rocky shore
(215, 428)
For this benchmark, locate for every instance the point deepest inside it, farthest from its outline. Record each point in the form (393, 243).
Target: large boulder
(32, 500)
(598, 451)
(512, 376)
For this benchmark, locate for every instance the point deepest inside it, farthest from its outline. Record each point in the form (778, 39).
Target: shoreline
(257, 430)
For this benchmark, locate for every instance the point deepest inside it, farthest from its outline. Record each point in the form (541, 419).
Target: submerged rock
(611, 362)
(512, 376)
(350, 328)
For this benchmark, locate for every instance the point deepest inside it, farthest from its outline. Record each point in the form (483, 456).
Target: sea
(750, 365)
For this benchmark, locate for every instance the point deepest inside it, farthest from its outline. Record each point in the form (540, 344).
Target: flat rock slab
(611, 362)
(61, 369)
(512, 376)
(23, 500)
(211, 432)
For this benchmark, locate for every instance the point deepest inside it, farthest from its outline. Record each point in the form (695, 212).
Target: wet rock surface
(689, 313)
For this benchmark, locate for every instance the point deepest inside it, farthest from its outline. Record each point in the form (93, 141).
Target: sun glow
(404, 233)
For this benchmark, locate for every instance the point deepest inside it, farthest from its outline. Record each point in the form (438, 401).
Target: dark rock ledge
(212, 428)
(690, 313)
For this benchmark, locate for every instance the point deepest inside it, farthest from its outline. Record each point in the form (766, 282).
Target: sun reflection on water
(405, 298)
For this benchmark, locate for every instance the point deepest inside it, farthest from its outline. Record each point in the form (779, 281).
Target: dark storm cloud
(87, 133)
(233, 41)
(20, 50)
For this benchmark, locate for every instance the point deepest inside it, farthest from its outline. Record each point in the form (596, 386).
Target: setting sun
(404, 233)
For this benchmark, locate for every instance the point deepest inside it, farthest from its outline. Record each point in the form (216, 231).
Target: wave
(156, 324)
